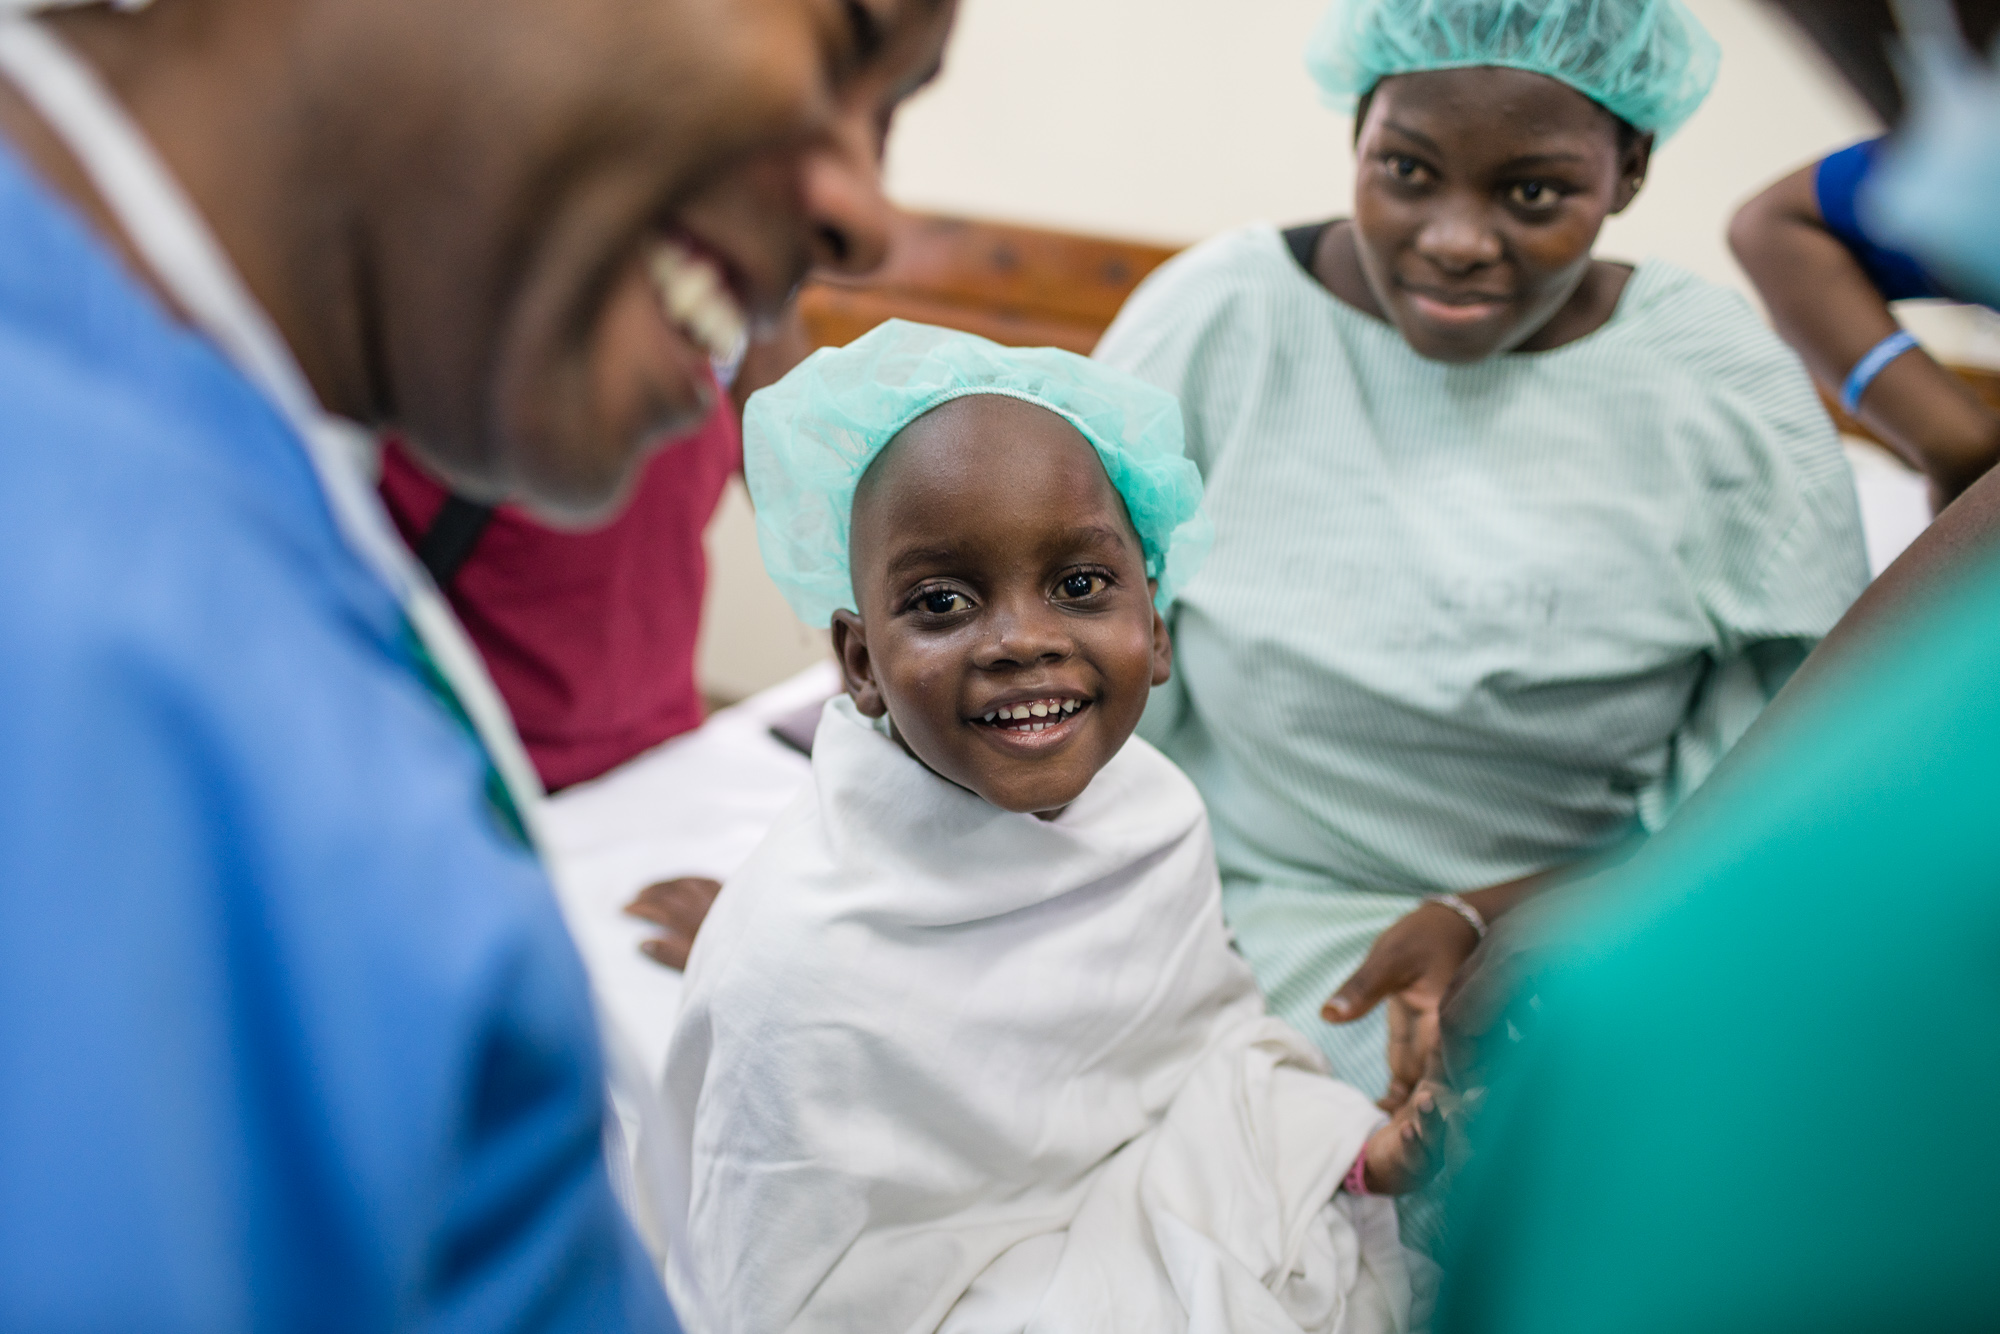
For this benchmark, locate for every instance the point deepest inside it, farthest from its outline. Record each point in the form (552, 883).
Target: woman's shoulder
(1698, 324)
(1254, 253)
(1222, 284)
(1722, 361)
(1750, 431)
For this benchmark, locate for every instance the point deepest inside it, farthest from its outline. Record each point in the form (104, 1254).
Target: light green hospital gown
(1465, 623)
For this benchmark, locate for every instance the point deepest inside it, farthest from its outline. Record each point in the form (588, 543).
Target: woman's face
(1477, 198)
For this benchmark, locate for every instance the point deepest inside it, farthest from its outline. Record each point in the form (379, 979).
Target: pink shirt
(590, 637)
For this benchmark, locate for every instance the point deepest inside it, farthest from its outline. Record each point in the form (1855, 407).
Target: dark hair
(1628, 133)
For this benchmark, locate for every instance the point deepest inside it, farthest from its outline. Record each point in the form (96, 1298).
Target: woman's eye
(942, 601)
(1404, 168)
(1081, 585)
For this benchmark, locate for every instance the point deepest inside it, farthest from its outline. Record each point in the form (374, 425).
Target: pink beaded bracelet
(1356, 1182)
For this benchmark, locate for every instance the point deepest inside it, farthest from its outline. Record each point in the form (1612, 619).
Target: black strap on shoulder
(1303, 241)
(453, 534)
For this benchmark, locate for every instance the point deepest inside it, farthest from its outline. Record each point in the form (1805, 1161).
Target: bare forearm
(1967, 532)
(1825, 306)
(1496, 901)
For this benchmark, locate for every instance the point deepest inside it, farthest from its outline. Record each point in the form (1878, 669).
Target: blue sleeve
(293, 1038)
(1837, 183)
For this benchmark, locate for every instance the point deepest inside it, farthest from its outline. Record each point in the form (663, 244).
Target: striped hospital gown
(1464, 623)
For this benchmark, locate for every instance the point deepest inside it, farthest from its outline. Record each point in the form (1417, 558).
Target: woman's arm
(1824, 305)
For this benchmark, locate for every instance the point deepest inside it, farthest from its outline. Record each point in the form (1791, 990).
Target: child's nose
(1025, 632)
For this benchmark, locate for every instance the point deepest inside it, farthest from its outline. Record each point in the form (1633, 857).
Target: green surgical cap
(808, 439)
(1648, 62)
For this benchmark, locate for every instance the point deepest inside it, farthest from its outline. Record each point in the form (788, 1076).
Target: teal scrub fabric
(1757, 1086)
(1465, 623)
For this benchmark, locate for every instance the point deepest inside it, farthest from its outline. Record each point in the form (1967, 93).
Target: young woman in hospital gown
(1512, 542)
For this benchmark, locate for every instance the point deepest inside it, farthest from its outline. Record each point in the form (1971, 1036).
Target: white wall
(1173, 119)
(1170, 120)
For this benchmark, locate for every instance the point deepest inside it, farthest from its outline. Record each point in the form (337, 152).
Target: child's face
(996, 569)
(1478, 194)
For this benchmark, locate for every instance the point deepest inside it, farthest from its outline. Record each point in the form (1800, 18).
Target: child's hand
(1406, 1153)
(678, 907)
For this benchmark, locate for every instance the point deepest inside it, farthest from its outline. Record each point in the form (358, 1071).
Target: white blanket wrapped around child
(942, 1066)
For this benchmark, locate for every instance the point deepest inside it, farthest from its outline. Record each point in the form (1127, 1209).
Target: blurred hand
(1410, 968)
(1482, 996)
(677, 907)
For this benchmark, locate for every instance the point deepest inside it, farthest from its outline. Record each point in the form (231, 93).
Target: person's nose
(1024, 631)
(1458, 239)
(849, 215)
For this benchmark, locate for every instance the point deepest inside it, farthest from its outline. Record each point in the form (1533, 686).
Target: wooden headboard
(1031, 287)
(1017, 285)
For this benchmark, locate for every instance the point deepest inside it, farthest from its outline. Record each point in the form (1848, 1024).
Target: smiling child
(964, 1045)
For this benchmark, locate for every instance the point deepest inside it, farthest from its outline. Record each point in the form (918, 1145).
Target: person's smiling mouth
(698, 297)
(1034, 722)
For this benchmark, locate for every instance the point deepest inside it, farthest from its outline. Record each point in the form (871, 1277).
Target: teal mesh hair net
(808, 439)
(1648, 62)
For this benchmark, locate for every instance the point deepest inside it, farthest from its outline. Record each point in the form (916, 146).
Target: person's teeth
(989, 717)
(695, 297)
(1069, 706)
(1039, 710)
(1020, 711)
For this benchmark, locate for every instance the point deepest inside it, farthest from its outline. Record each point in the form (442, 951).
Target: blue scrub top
(291, 1033)
(1837, 184)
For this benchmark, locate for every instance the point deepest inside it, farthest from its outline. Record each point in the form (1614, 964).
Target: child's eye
(1535, 196)
(941, 601)
(1082, 584)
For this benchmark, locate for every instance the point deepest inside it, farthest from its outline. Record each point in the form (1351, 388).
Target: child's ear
(1163, 645)
(857, 670)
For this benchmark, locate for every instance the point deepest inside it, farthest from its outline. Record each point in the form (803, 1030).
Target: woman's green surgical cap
(808, 439)
(1648, 62)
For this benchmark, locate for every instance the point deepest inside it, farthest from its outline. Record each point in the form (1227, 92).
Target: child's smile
(1032, 715)
(1034, 725)
(1006, 624)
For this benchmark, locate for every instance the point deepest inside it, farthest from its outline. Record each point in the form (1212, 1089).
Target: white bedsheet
(941, 1065)
(697, 805)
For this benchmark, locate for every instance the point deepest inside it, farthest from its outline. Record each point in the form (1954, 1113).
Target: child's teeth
(1055, 710)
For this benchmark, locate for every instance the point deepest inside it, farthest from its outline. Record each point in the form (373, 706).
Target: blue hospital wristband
(1872, 364)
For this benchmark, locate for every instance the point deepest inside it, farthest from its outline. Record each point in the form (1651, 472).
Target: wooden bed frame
(1031, 287)
(1023, 286)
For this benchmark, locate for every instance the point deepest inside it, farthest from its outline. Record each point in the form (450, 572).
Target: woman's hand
(1410, 967)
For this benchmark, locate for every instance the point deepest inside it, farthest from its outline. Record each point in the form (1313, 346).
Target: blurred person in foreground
(1708, 1083)
(590, 634)
(293, 1035)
